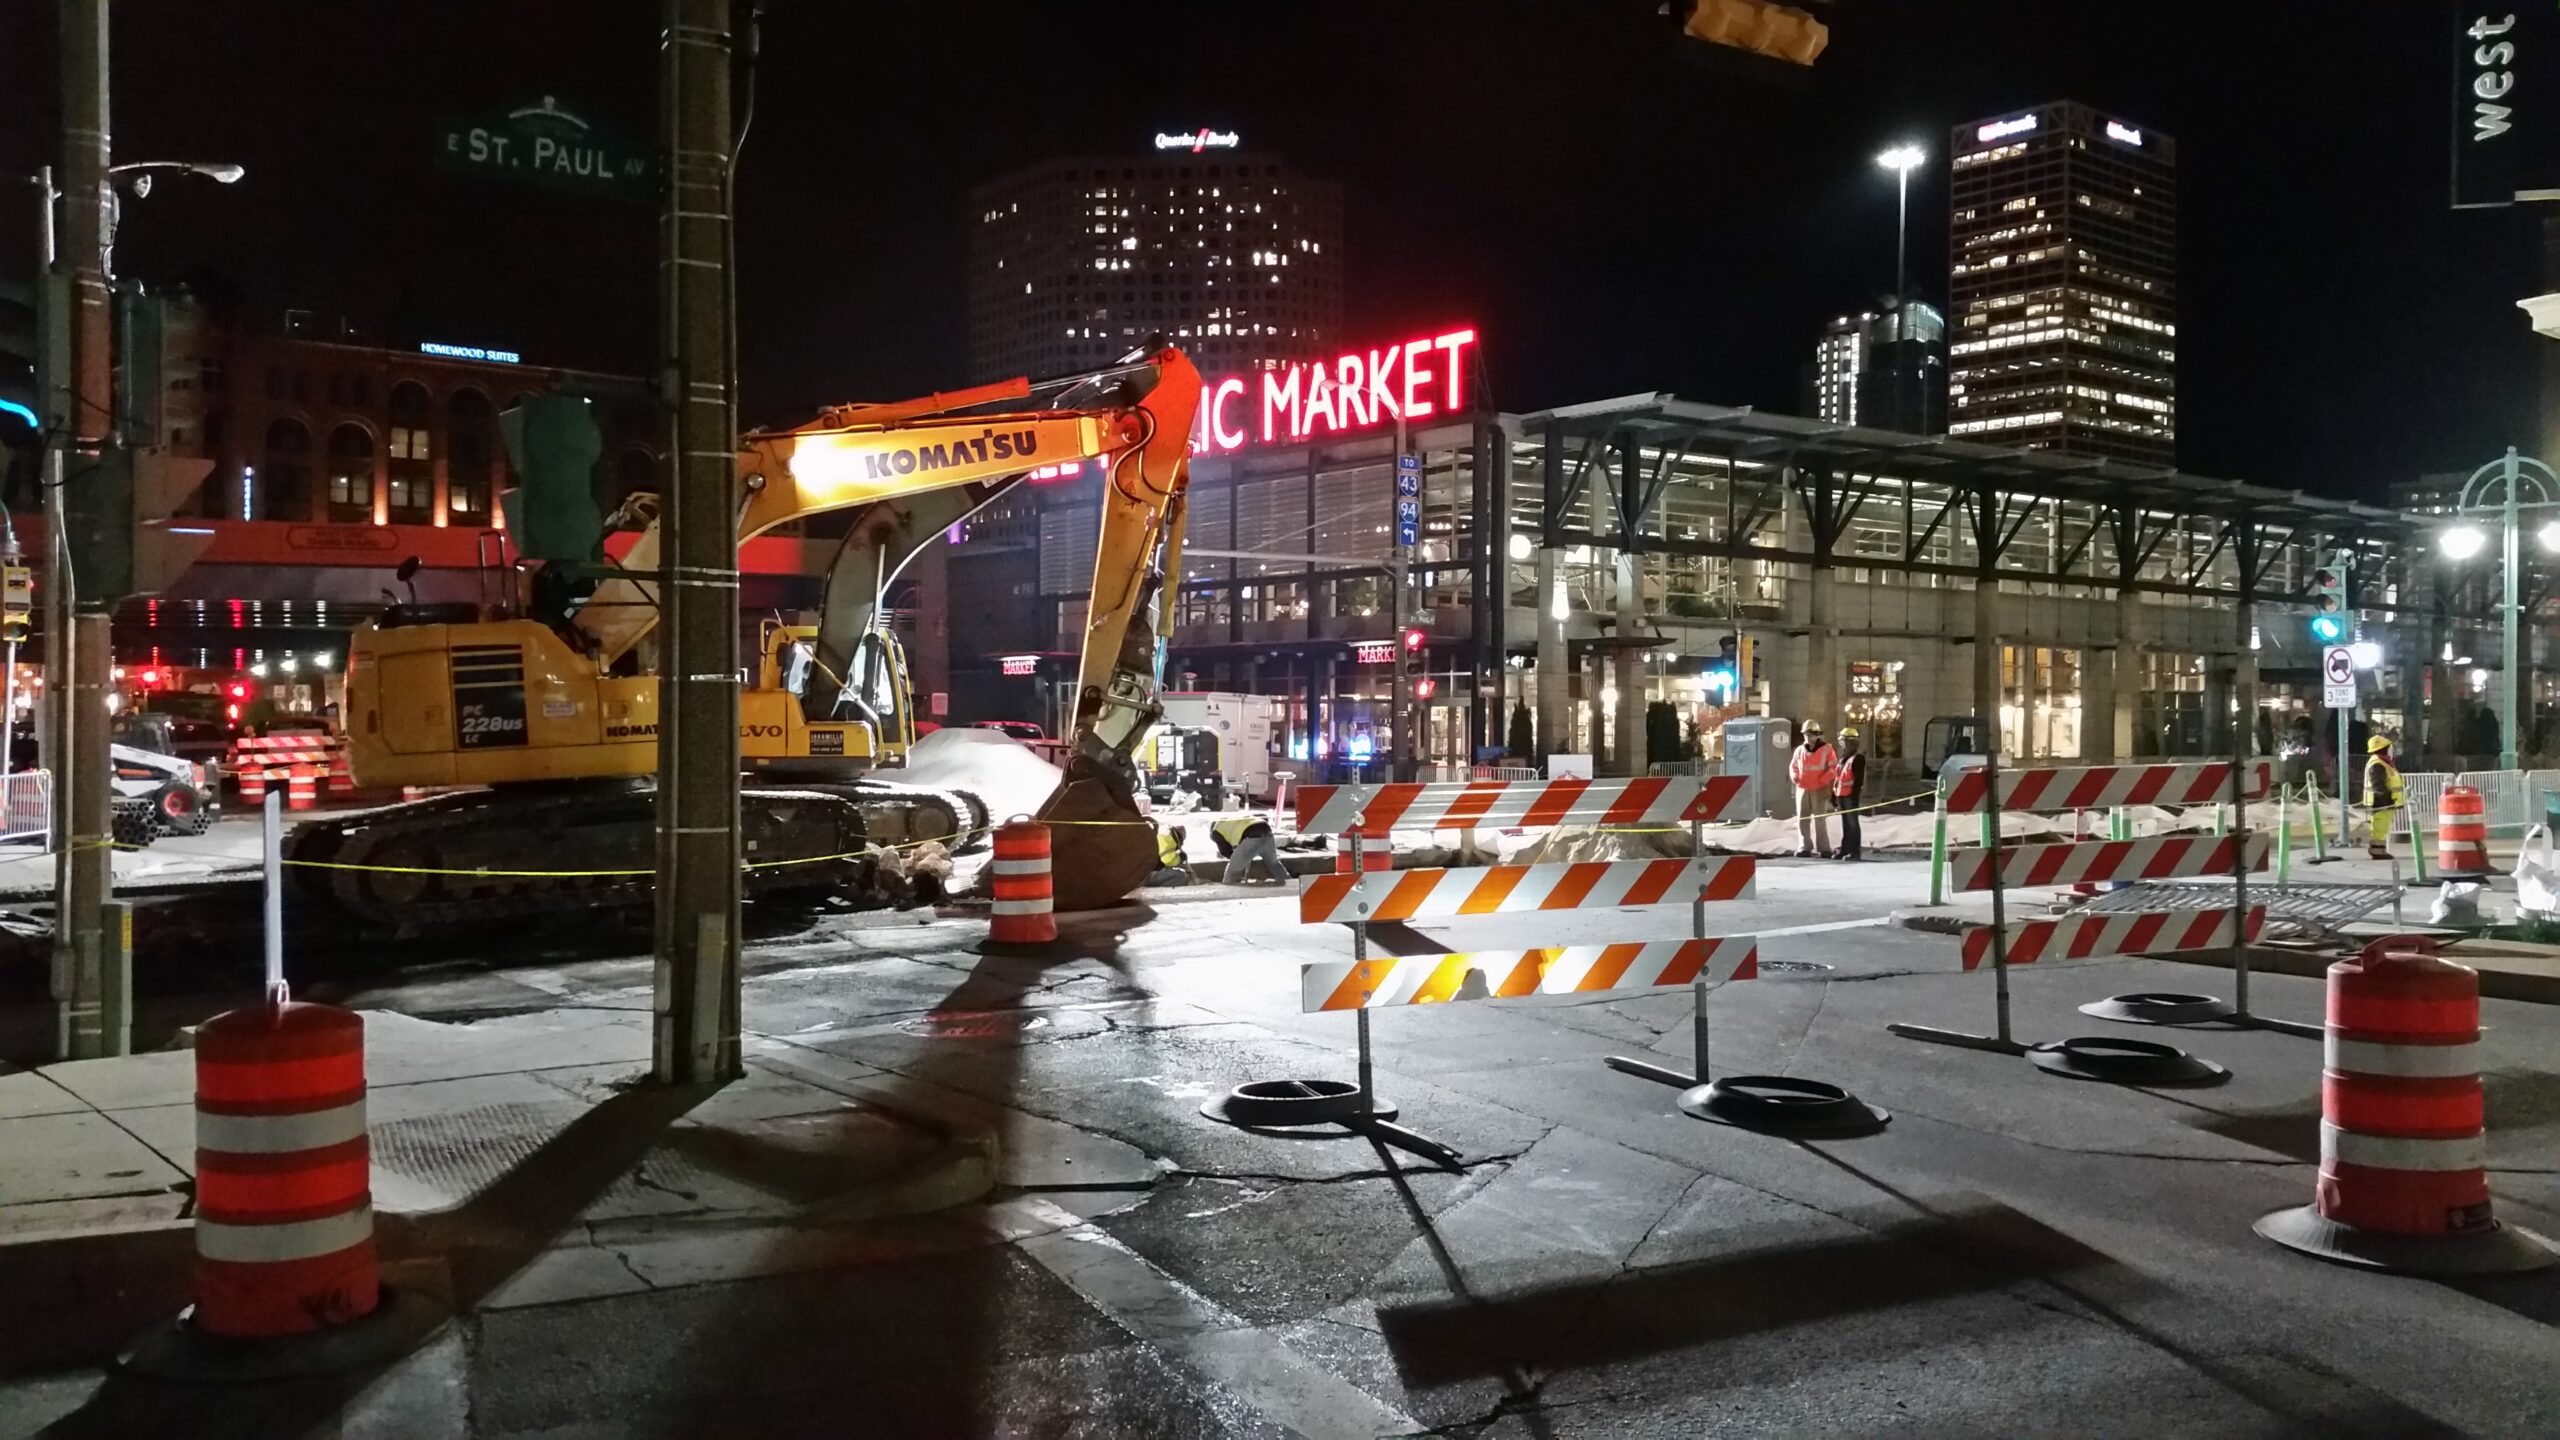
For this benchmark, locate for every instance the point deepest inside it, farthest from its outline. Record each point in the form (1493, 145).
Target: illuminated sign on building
(2003, 129)
(2118, 130)
(1357, 390)
(1373, 652)
(468, 352)
(1020, 664)
(1198, 141)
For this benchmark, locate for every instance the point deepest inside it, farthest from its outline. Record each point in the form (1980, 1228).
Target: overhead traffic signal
(1756, 27)
(2330, 623)
(119, 511)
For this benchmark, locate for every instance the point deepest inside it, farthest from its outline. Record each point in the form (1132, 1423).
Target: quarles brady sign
(1355, 391)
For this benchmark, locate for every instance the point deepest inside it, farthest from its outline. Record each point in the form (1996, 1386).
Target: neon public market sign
(1357, 390)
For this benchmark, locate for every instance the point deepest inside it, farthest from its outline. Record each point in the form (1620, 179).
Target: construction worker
(1172, 866)
(1846, 791)
(1815, 769)
(2384, 794)
(1243, 839)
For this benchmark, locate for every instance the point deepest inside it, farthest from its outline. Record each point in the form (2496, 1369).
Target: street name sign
(542, 144)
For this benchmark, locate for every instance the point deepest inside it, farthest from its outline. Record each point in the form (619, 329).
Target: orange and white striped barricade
(2404, 1183)
(2462, 835)
(1999, 868)
(1024, 890)
(1364, 814)
(287, 1280)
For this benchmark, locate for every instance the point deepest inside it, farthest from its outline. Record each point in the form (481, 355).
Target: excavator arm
(918, 467)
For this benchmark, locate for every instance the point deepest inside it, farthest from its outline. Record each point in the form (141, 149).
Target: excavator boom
(917, 467)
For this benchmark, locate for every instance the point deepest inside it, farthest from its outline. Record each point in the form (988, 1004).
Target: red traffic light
(151, 677)
(1415, 637)
(1422, 688)
(239, 689)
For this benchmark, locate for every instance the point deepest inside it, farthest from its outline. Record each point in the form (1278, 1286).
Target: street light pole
(1901, 160)
(2509, 472)
(2512, 676)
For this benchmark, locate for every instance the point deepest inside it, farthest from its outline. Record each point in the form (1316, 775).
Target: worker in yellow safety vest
(2384, 794)
(1244, 840)
(1814, 769)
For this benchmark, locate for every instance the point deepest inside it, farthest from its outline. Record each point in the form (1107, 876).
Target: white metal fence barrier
(26, 806)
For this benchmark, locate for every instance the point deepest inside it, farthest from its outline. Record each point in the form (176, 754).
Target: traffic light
(21, 402)
(118, 509)
(1415, 638)
(17, 602)
(553, 442)
(1422, 688)
(2330, 623)
(1756, 27)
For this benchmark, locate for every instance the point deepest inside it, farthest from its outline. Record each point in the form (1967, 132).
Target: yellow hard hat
(1848, 732)
(2377, 744)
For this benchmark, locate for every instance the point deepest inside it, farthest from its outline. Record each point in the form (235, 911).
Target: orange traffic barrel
(2404, 1179)
(284, 1203)
(342, 776)
(1024, 896)
(2462, 834)
(302, 787)
(253, 782)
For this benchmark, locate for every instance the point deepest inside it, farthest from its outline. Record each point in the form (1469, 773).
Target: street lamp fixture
(2508, 477)
(2461, 542)
(137, 175)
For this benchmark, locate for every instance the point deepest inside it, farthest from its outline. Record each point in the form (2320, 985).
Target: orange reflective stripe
(1355, 987)
(1493, 889)
(1612, 964)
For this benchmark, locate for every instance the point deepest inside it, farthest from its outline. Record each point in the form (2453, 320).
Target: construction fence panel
(26, 805)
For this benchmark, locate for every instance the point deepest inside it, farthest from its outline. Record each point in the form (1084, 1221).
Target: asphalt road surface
(2016, 1255)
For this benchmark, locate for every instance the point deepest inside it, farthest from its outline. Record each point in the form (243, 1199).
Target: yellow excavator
(552, 705)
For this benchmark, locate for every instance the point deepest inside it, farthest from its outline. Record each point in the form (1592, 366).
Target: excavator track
(894, 813)
(552, 850)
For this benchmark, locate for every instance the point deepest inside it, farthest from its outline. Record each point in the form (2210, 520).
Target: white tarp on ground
(989, 764)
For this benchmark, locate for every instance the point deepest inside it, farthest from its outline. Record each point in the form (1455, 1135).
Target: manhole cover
(1792, 967)
(974, 1025)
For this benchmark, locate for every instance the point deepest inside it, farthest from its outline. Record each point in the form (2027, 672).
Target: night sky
(1614, 219)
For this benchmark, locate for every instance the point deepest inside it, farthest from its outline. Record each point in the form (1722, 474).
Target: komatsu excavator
(556, 710)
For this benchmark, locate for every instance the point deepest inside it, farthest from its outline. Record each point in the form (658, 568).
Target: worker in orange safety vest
(1814, 769)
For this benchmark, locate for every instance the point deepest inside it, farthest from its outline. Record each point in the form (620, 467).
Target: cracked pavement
(2018, 1254)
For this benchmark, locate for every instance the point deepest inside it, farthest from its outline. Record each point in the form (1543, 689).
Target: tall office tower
(2063, 281)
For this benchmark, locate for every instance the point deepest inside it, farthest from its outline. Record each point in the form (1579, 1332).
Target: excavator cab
(801, 716)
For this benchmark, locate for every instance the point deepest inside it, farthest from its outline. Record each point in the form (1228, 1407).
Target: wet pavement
(2017, 1254)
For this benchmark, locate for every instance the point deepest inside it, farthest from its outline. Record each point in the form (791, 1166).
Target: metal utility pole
(87, 874)
(696, 1032)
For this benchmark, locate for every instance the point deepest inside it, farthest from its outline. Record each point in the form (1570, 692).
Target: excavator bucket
(1100, 847)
